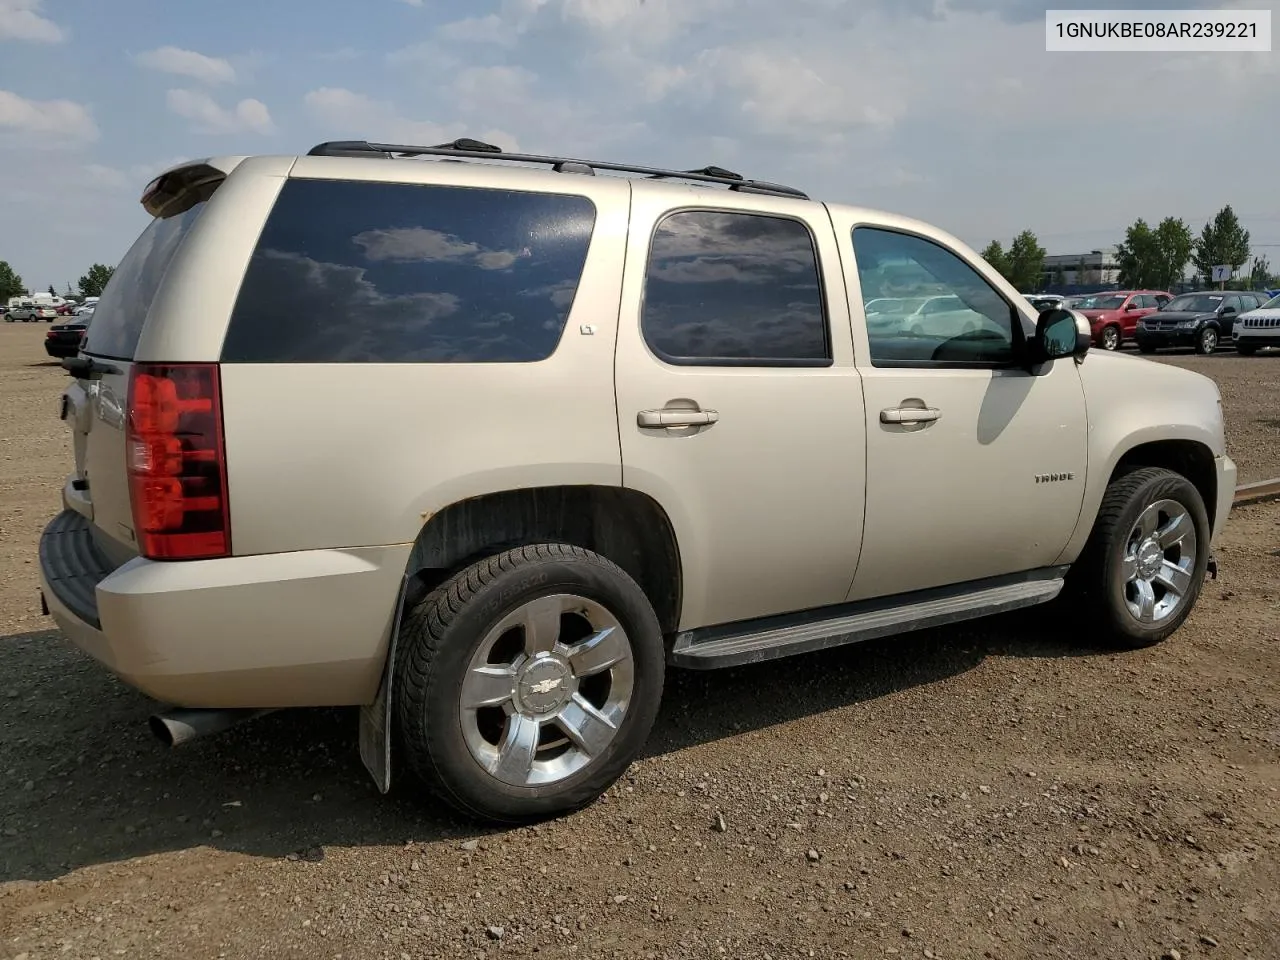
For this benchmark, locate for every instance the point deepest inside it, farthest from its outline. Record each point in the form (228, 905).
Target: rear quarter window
(124, 304)
(349, 272)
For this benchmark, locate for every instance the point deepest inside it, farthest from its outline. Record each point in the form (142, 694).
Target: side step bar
(753, 641)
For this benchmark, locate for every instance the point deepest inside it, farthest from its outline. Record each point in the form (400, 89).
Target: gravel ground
(1001, 790)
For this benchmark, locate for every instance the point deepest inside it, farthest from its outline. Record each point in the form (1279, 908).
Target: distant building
(1097, 268)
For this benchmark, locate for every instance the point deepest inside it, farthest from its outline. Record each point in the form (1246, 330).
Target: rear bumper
(277, 630)
(60, 349)
(1225, 468)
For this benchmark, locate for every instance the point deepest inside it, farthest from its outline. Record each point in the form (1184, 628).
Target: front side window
(367, 272)
(738, 289)
(964, 321)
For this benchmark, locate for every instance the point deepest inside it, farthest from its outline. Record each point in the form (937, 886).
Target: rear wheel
(528, 682)
(1111, 338)
(1144, 564)
(1207, 341)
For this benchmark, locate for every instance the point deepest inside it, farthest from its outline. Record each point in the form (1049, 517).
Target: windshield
(1195, 303)
(1102, 302)
(1272, 304)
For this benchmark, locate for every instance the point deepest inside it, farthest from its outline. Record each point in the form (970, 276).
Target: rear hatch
(95, 404)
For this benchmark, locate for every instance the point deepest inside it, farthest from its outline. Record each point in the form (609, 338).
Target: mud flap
(375, 718)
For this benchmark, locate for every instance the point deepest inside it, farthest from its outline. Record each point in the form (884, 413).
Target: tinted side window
(967, 322)
(734, 288)
(123, 308)
(349, 272)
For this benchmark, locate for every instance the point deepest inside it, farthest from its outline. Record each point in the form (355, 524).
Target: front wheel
(1111, 338)
(1246, 349)
(1143, 566)
(1207, 342)
(528, 683)
(1146, 348)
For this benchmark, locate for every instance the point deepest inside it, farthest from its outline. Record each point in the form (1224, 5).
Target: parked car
(31, 311)
(1113, 316)
(1201, 320)
(1258, 329)
(681, 446)
(1047, 301)
(63, 339)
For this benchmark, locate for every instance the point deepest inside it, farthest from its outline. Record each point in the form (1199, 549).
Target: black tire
(1110, 339)
(1095, 585)
(1246, 350)
(1146, 348)
(1207, 340)
(441, 634)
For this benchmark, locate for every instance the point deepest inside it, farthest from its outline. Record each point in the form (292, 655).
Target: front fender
(1131, 402)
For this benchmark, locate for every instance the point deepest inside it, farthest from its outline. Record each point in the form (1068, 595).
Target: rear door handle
(910, 415)
(661, 419)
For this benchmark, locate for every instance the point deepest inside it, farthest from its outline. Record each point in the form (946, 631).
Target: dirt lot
(997, 791)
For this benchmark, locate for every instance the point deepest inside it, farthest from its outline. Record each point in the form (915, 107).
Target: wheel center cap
(1150, 557)
(545, 685)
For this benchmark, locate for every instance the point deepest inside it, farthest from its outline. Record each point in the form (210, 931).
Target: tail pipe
(177, 727)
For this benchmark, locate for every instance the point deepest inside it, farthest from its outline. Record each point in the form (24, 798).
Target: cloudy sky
(949, 110)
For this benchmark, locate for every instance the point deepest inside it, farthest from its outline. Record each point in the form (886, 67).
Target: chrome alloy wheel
(1111, 339)
(1159, 561)
(547, 690)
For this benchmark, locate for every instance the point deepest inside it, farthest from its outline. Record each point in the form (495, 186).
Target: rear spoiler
(168, 193)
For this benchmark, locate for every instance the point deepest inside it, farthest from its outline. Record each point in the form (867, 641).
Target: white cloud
(45, 121)
(207, 116)
(21, 20)
(488, 29)
(187, 63)
(412, 3)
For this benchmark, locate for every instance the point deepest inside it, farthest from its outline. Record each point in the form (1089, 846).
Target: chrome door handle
(910, 415)
(661, 419)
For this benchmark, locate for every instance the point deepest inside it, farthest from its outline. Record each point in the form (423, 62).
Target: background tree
(1222, 241)
(1154, 259)
(994, 254)
(52, 292)
(1260, 277)
(95, 281)
(1173, 249)
(11, 284)
(1026, 262)
(1137, 255)
(1082, 273)
(1059, 277)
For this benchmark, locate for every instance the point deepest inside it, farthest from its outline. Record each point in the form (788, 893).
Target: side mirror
(1058, 334)
(1132, 306)
(1226, 310)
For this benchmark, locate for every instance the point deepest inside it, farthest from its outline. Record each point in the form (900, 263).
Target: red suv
(1114, 314)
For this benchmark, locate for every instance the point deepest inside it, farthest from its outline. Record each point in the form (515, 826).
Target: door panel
(759, 467)
(992, 481)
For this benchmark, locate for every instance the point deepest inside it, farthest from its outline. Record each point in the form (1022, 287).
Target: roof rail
(467, 149)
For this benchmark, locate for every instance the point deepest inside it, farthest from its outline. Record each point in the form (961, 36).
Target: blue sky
(949, 110)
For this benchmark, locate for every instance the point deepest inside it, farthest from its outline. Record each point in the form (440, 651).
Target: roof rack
(467, 149)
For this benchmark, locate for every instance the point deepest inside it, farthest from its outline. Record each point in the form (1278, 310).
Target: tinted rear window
(349, 272)
(122, 309)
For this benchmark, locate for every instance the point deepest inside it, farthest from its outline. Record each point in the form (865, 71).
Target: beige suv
(484, 443)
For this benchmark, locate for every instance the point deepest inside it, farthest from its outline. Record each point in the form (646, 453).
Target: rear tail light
(177, 461)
